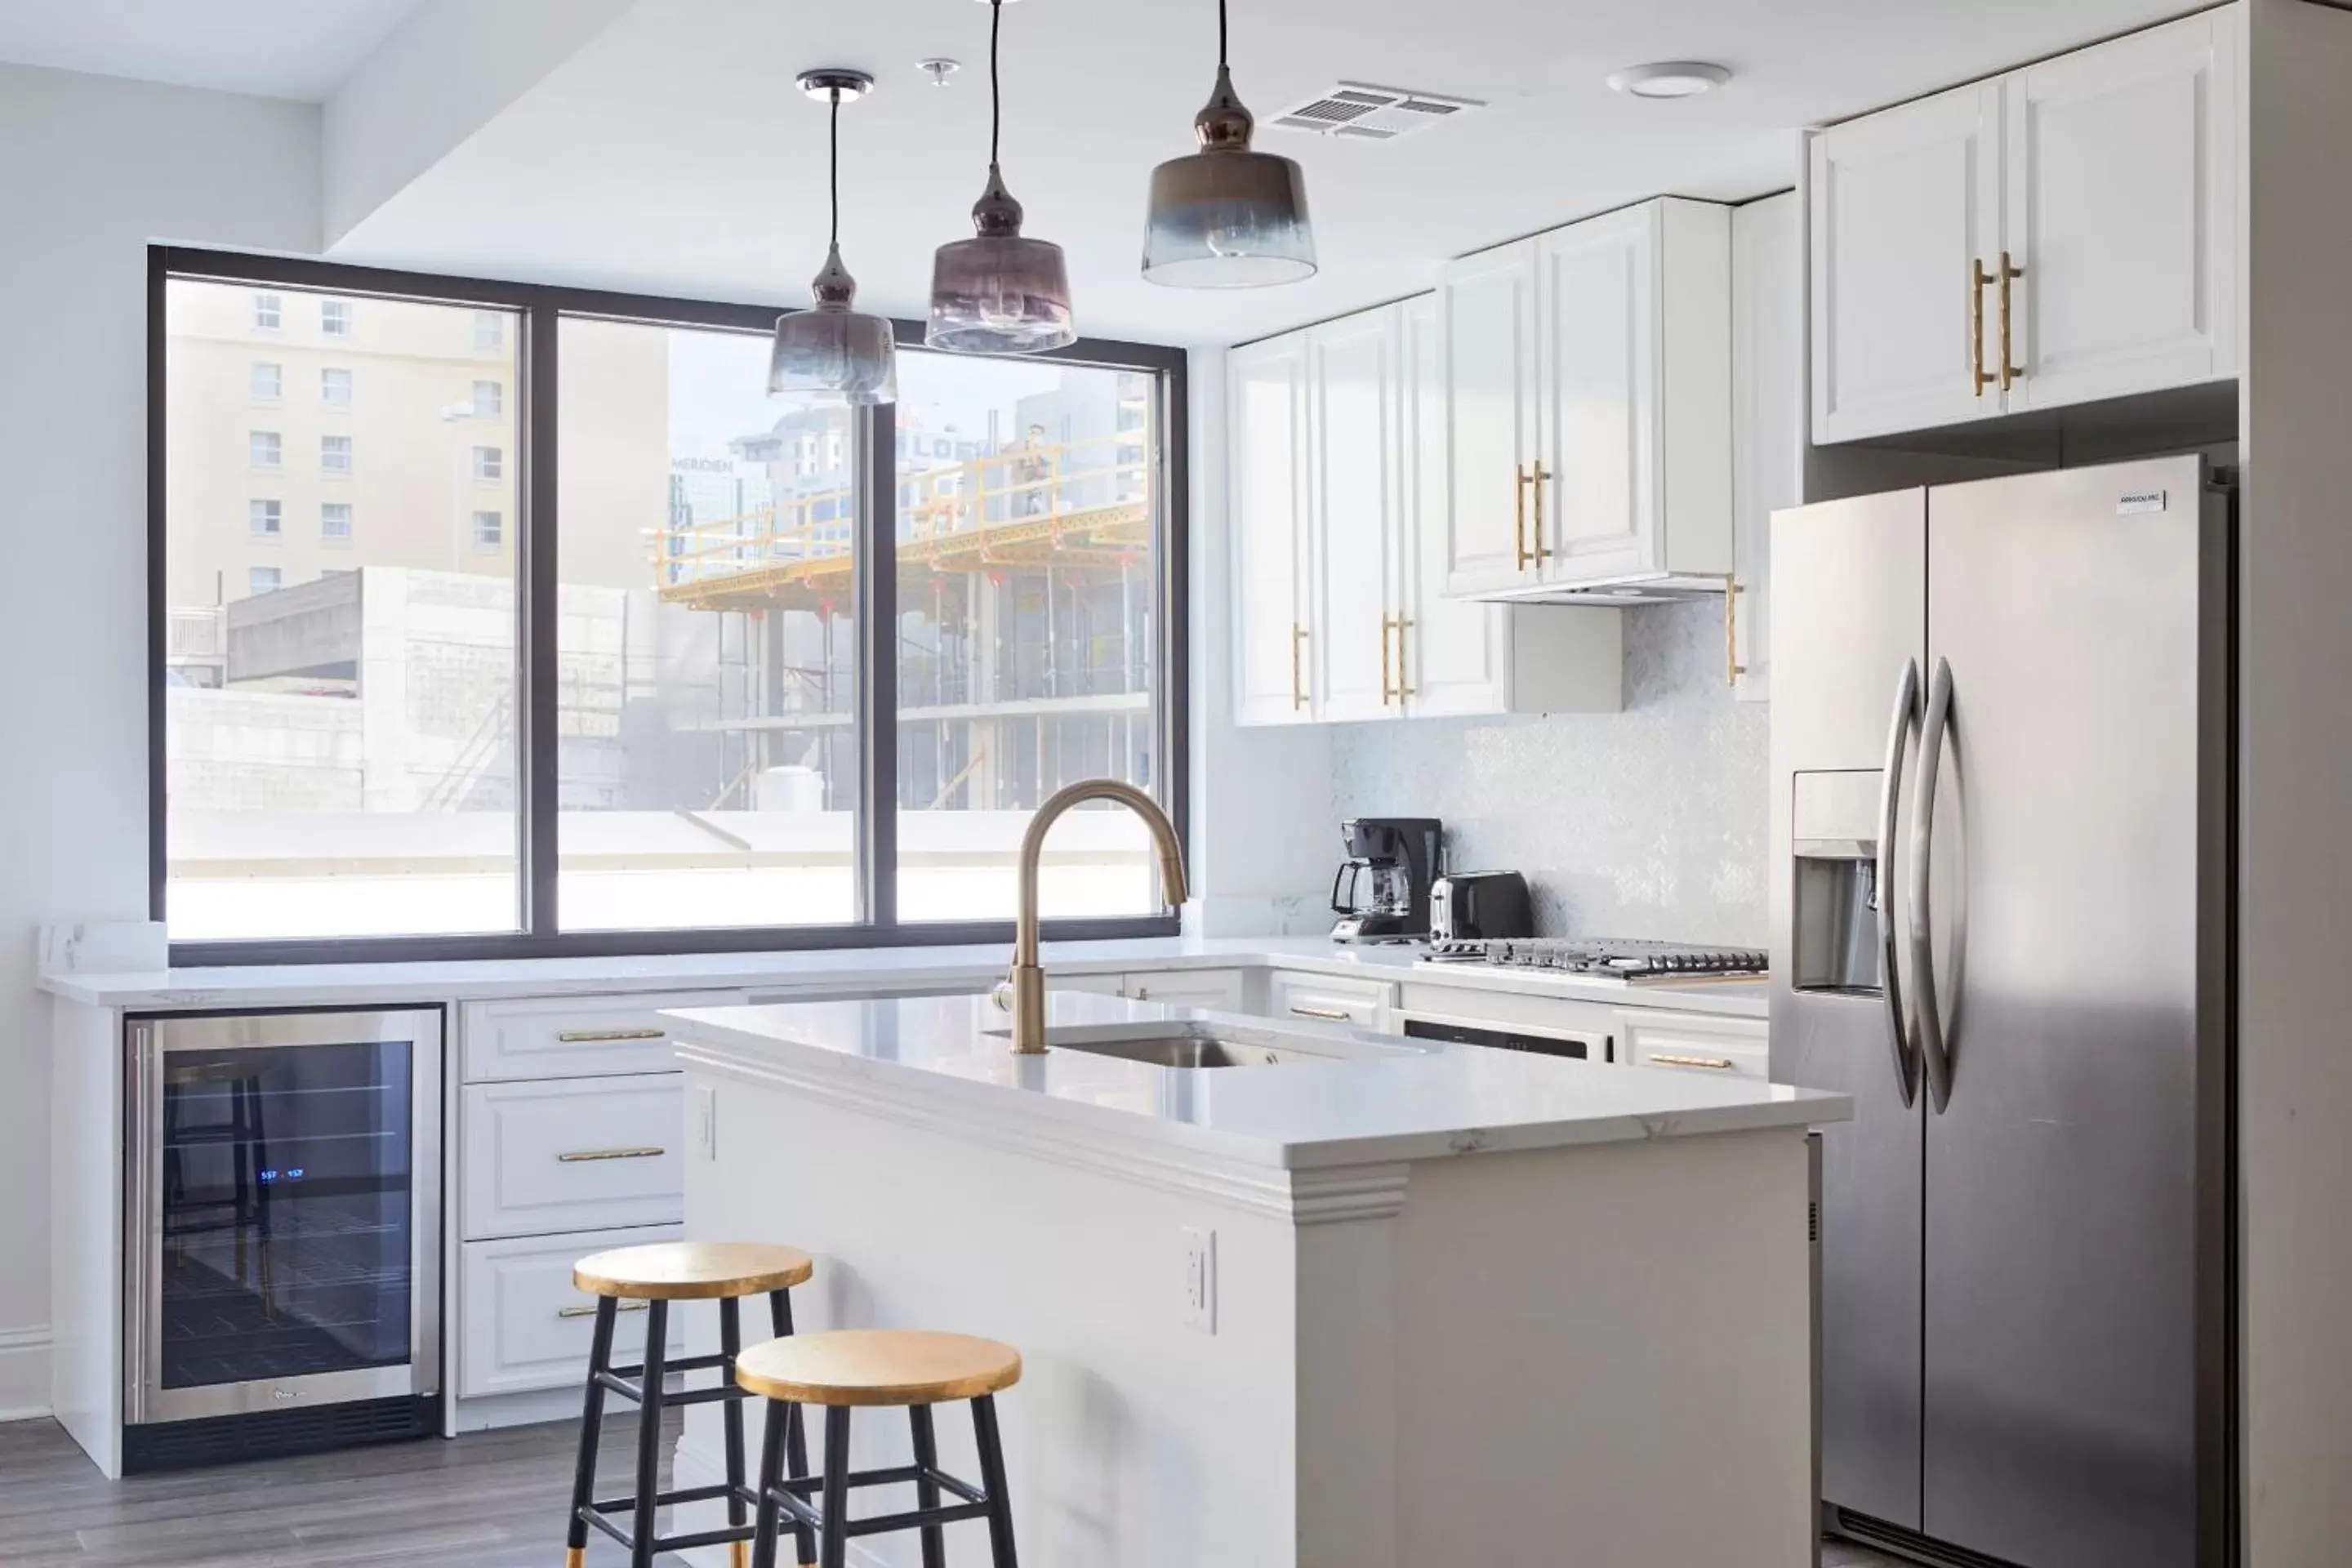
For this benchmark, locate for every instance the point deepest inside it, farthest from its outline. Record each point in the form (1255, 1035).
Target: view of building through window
(345, 703)
(340, 742)
(1027, 594)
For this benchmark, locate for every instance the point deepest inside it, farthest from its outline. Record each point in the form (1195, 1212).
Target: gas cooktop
(1607, 958)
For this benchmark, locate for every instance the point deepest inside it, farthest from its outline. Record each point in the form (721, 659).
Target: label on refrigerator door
(2135, 501)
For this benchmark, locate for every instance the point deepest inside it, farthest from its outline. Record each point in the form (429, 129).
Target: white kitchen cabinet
(1267, 519)
(1329, 999)
(1902, 205)
(1355, 403)
(2081, 215)
(573, 1154)
(1357, 406)
(525, 1326)
(1219, 990)
(1768, 427)
(1694, 1042)
(1625, 360)
(2121, 210)
(574, 1037)
(1487, 318)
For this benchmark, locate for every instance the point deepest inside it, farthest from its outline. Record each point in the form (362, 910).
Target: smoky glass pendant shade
(831, 353)
(1227, 217)
(999, 292)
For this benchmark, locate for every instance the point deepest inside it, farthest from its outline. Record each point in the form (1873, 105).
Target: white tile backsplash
(1649, 822)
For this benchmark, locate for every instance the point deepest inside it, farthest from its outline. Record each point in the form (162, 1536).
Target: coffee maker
(1381, 889)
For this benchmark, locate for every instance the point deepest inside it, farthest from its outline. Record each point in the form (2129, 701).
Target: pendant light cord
(833, 177)
(995, 93)
(1220, 34)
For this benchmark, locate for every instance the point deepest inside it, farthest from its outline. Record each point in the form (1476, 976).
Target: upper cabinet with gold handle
(2092, 203)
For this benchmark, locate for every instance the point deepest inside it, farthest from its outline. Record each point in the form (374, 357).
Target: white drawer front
(589, 1154)
(575, 1036)
(1690, 1042)
(522, 1324)
(1326, 1000)
(1219, 990)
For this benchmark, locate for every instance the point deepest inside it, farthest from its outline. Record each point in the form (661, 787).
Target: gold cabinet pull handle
(2009, 371)
(1387, 691)
(1668, 1059)
(1535, 478)
(1979, 281)
(1297, 684)
(588, 1036)
(1519, 516)
(587, 1157)
(1402, 690)
(1732, 668)
(588, 1310)
(1330, 1015)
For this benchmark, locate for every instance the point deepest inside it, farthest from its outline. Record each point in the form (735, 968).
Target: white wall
(1263, 838)
(2295, 643)
(92, 169)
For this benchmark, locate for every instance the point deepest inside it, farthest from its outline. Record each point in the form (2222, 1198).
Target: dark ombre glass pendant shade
(999, 292)
(1227, 217)
(832, 352)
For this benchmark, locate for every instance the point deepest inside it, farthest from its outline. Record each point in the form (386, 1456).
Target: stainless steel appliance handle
(1932, 730)
(1890, 796)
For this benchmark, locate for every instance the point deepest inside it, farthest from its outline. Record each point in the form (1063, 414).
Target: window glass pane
(265, 382)
(706, 646)
(340, 751)
(1028, 622)
(335, 387)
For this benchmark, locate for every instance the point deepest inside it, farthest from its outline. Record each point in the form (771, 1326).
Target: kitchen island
(1382, 1303)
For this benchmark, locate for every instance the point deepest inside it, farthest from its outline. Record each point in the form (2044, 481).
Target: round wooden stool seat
(692, 1270)
(877, 1366)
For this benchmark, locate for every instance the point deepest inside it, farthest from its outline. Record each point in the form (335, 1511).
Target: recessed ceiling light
(1671, 79)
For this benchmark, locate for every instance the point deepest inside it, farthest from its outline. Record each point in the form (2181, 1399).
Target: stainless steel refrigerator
(2001, 744)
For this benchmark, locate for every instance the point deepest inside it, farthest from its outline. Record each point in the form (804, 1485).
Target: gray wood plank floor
(490, 1499)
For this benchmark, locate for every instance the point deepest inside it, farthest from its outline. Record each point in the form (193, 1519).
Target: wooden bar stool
(854, 1367)
(724, 1271)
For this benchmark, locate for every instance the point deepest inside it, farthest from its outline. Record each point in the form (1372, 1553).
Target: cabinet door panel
(1903, 204)
(1489, 304)
(1450, 657)
(1767, 428)
(2122, 181)
(1266, 415)
(1597, 381)
(1353, 401)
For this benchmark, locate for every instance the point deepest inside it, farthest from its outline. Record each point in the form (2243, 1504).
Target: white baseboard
(24, 1373)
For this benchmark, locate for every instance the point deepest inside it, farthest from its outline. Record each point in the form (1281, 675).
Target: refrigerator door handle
(1890, 795)
(1932, 730)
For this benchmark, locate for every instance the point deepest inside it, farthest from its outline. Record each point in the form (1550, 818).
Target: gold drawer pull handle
(1298, 685)
(1402, 690)
(2009, 371)
(589, 1310)
(597, 1036)
(1519, 516)
(583, 1156)
(1538, 477)
(1668, 1059)
(1732, 668)
(1330, 1015)
(1979, 281)
(1387, 691)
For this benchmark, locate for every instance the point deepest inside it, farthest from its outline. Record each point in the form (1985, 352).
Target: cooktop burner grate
(1605, 958)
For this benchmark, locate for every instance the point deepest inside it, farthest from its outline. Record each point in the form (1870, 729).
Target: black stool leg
(834, 1551)
(730, 1345)
(991, 1482)
(779, 1315)
(772, 1473)
(591, 1422)
(927, 1491)
(649, 1436)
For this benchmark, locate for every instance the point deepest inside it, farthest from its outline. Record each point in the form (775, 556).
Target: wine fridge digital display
(282, 1280)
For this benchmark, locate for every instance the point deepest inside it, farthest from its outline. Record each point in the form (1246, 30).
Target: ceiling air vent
(1368, 113)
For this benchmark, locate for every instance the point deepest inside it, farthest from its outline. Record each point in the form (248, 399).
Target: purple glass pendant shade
(832, 352)
(1227, 217)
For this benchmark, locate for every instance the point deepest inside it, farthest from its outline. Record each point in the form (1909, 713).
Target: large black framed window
(493, 620)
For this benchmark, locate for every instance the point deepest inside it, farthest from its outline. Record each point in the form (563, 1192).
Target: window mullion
(535, 536)
(876, 431)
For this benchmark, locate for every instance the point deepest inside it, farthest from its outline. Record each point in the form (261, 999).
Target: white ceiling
(277, 49)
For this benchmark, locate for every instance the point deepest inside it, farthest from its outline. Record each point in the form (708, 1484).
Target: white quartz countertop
(841, 970)
(948, 1055)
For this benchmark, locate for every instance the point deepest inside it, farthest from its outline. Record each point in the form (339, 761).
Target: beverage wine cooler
(281, 1274)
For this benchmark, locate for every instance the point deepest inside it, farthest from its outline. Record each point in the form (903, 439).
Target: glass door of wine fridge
(284, 1235)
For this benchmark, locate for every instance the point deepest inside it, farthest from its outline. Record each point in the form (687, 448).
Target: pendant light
(1227, 217)
(831, 353)
(999, 293)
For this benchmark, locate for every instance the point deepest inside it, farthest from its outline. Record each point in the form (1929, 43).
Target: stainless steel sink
(1200, 1044)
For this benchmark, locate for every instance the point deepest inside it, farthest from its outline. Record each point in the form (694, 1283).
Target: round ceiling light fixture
(1671, 79)
(938, 68)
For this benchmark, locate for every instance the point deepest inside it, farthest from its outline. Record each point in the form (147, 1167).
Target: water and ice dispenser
(1835, 892)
